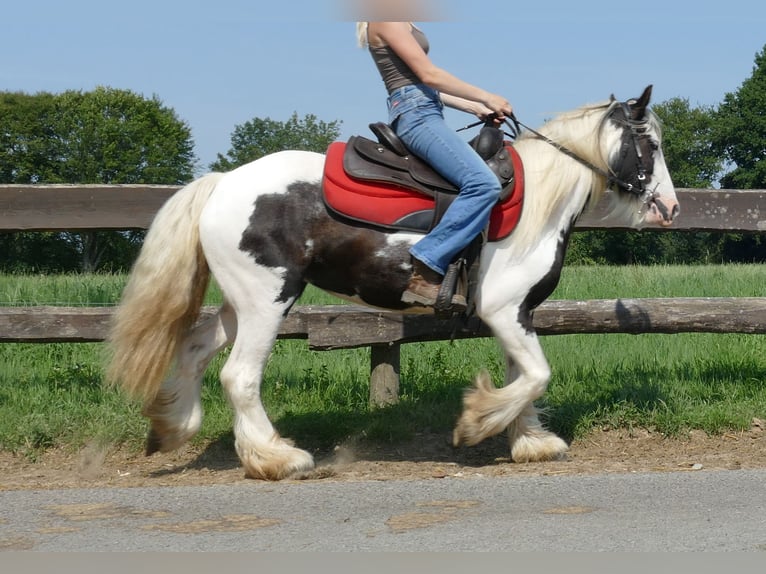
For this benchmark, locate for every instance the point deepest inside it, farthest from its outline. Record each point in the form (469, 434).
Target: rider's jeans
(415, 113)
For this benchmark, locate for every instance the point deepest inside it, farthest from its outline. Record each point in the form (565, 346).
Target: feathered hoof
(153, 443)
(468, 431)
(482, 413)
(540, 447)
(159, 441)
(277, 462)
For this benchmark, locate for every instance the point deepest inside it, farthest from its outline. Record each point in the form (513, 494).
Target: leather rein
(629, 147)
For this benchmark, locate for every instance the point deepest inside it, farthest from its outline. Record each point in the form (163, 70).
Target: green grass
(51, 395)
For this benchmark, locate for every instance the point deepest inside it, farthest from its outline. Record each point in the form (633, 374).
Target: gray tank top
(393, 70)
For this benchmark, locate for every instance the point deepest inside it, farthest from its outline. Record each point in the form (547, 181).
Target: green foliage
(27, 131)
(741, 130)
(605, 247)
(687, 143)
(260, 137)
(104, 136)
(30, 252)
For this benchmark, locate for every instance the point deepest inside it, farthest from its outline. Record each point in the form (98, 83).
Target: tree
(103, 136)
(688, 143)
(741, 130)
(25, 136)
(117, 136)
(741, 136)
(260, 137)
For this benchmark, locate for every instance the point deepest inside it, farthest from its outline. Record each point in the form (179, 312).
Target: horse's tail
(163, 295)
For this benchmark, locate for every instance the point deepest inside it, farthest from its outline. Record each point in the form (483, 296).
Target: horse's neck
(557, 191)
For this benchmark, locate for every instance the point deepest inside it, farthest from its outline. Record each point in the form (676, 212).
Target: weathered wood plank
(80, 207)
(54, 324)
(653, 315)
(344, 326)
(91, 324)
(701, 210)
(341, 328)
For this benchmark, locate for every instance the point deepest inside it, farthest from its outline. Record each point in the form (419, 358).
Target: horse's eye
(655, 145)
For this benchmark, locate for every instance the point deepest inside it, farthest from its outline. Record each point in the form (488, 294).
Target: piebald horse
(264, 233)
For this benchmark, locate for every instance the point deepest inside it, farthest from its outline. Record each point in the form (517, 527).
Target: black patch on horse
(341, 258)
(543, 289)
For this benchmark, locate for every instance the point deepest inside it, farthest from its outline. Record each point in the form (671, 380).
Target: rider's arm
(476, 108)
(398, 36)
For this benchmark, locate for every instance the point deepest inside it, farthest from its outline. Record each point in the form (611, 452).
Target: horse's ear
(638, 108)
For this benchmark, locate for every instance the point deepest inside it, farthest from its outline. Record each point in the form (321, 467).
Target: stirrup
(447, 299)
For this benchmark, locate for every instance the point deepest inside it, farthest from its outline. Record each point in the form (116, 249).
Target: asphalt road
(684, 511)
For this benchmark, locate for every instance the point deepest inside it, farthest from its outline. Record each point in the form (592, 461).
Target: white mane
(551, 176)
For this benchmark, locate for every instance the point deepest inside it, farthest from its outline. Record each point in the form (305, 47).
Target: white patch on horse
(394, 244)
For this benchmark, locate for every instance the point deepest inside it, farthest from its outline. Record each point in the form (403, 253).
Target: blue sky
(220, 64)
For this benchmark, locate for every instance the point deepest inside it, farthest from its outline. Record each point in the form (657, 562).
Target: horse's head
(632, 136)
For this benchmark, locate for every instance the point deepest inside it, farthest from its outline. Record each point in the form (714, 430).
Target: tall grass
(51, 395)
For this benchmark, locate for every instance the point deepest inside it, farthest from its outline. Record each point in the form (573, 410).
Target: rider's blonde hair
(361, 34)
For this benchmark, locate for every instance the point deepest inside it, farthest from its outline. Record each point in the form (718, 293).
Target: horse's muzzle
(662, 211)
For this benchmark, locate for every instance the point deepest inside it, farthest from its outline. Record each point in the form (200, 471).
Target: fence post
(384, 374)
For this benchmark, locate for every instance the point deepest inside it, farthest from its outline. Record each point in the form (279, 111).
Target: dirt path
(426, 456)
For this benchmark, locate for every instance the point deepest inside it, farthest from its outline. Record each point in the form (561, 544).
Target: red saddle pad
(380, 203)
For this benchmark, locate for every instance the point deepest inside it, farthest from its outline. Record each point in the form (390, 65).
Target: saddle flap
(372, 161)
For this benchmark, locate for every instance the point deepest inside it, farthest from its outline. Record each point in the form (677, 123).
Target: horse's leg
(263, 453)
(529, 440)
(488, 410)
(176, 411)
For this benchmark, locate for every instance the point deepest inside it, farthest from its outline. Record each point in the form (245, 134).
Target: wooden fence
(88, 207)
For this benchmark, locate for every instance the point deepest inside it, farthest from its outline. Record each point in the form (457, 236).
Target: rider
(418, 91)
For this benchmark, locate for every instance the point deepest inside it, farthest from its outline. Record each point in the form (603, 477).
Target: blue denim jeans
(415, 113)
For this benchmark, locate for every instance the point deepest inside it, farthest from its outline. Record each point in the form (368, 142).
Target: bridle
(633, 166)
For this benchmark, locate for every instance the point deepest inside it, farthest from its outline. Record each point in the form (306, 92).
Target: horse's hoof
(542, 448)
(153, 443)
(275, 463)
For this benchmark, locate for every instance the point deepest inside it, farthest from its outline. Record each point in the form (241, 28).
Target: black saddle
(388, 160)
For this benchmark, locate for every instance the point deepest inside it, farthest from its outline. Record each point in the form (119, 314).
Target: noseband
(633, 165)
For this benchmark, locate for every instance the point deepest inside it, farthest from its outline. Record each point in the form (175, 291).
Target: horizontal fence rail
(82, 207)
(327, 327)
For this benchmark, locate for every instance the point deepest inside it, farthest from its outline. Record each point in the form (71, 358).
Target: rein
(611, 178)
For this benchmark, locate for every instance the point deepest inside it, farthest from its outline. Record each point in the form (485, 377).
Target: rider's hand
(485, 114)
(499, 105)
